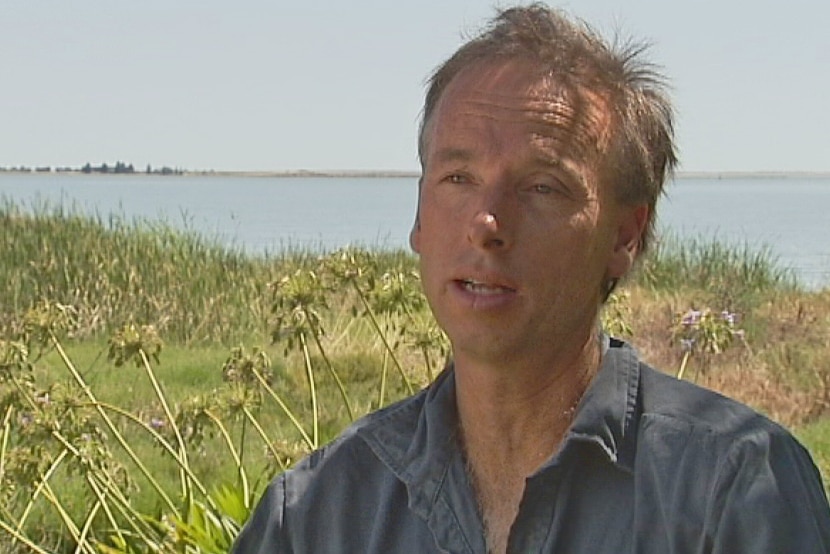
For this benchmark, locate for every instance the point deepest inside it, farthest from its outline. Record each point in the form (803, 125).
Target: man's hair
(640, 155)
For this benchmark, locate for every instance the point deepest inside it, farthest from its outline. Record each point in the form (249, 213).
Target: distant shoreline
(387, 174)
(417, 174)
(753, 174)
(371, 174)
(220, 173)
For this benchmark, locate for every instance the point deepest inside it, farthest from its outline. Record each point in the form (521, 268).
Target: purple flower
(157, 423)
(692, 317)
(728, 317)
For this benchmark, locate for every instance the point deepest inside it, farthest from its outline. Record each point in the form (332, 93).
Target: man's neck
(512, 419)
(517, 406)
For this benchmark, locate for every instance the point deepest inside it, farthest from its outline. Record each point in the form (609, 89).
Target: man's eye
(542, 188)
(456, 178)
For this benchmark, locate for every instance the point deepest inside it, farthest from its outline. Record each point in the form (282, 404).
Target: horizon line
(404, 173)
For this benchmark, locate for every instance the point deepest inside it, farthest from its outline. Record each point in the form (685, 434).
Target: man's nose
(487, 231)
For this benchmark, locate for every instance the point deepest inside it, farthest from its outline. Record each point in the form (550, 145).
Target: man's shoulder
(712, 466)
(684, 425)
(689, 409)
(347, 480)
(361, 446)
(651, 394)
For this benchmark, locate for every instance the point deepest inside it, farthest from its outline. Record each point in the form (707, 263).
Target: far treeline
(118, 168)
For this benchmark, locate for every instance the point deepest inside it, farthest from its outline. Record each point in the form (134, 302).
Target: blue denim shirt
(651, 465)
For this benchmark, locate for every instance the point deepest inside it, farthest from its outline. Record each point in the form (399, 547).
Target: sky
(257, 85)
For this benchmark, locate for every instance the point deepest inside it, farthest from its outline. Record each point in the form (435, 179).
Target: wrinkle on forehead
(559, 115)
(583, 126)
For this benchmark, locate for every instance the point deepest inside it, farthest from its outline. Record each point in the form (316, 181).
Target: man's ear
(630, 229)
(415, 232)
(415, 236)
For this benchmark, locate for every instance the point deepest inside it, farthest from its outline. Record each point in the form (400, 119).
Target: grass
(816, 436)
(334, 336)
(730, 275)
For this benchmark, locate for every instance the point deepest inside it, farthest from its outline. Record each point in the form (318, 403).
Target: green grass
(193, 372)
(734, 275)
(816, 437)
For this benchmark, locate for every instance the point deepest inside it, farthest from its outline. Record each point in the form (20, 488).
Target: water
(264, 214)
(256, 213)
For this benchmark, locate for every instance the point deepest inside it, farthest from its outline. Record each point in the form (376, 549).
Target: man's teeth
(482, 288)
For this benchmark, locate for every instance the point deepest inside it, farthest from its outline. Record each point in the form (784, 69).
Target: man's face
(515, 232)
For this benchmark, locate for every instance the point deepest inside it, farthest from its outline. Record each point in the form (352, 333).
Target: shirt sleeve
(262, 533)
(769, 499)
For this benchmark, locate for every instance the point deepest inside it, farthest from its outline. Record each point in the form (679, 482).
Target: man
(543, 153)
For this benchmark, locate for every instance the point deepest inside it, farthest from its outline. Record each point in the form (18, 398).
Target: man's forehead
(516, 91)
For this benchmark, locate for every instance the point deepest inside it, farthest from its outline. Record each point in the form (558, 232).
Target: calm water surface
(786, 215)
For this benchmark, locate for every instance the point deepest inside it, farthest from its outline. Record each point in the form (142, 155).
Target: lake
(788, 215)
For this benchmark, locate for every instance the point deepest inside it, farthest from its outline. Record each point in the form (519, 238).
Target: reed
(727, 270)
(112, 271)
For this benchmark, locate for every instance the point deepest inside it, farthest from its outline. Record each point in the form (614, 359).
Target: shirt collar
(417, 438)
(608, 412)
